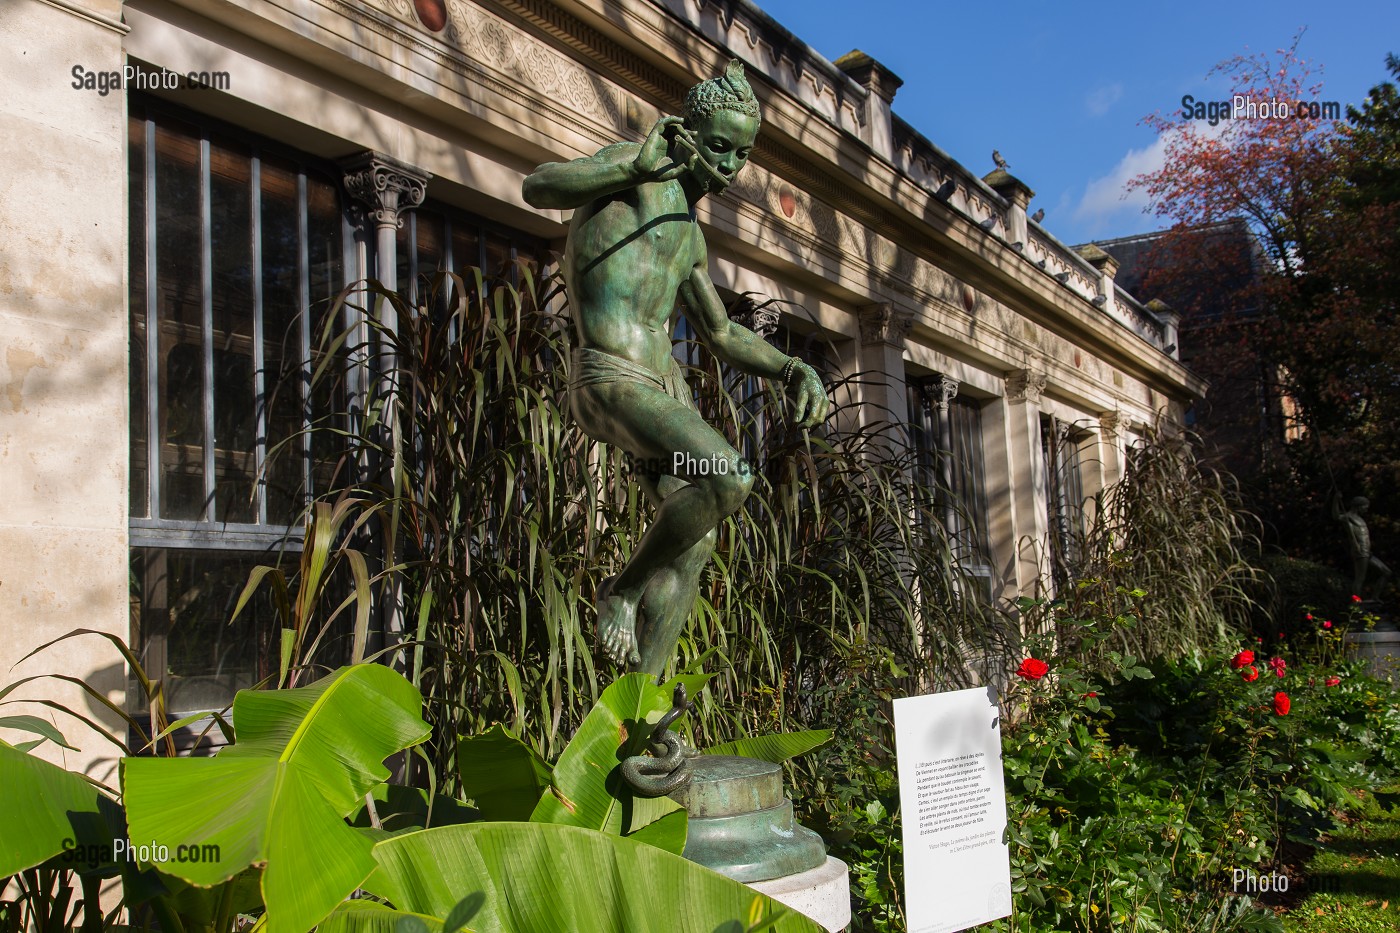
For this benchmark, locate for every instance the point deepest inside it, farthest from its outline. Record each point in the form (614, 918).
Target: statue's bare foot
(617, 625)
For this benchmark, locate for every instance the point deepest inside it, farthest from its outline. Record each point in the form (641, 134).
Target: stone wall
(63, 364)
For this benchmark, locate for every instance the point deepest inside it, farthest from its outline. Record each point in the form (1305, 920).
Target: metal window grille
(1061, 446)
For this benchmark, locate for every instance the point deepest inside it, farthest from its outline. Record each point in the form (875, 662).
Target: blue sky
(1060, 88)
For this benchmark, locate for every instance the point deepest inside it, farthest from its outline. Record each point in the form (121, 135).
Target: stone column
(1026, 472)
(883, 401)
(1111, 446)
(63, 369)
(386, 188)
(761, 318)
(937, 395)
(881, 83)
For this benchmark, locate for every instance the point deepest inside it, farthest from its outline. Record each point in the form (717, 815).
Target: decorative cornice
(92, 16)
(870, 74)
(1010, 187)
(881, 323)
(385, 186)
(1164, 312)
(1024, 385)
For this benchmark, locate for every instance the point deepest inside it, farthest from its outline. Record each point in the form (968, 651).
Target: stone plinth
(822, 893)
(1380, 650)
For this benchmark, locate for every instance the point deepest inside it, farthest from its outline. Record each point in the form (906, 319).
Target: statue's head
(723, 115)
(1360, 504)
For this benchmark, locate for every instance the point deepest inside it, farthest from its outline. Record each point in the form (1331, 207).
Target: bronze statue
(1359, 544)
(634, 250)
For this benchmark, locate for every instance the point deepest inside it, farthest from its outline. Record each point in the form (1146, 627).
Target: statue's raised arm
(571, 185)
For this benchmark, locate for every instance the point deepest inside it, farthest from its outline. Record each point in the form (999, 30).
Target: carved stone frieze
(492, 41)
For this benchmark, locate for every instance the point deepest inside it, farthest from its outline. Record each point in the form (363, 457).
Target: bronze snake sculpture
(667, 769)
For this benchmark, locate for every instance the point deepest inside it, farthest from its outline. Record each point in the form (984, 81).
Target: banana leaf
(304, 761)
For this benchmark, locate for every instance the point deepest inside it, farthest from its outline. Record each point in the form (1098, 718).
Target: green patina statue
(1364, 564)
(634, 251)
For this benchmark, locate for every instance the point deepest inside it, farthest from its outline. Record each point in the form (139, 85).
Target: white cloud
(1102, 99)
(1108, 195)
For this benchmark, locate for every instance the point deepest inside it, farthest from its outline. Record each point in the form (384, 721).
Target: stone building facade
(161, 241)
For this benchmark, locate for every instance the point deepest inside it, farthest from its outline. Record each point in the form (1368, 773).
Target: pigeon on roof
(1039, 215)
(999, 159)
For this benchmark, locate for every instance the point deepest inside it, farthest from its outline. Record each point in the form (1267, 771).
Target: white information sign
(957, 871)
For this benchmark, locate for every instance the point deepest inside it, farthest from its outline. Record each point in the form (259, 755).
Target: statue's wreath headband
(730, 91)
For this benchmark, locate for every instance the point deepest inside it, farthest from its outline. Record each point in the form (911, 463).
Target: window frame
(207, 532)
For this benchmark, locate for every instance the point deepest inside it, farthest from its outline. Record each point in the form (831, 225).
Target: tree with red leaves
(1289, 228)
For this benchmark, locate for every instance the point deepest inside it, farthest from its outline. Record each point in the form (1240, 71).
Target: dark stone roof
(1216, 282)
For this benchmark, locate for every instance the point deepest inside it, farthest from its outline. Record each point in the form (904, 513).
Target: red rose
(1281, 703)
(1355, 598)
(1089, 694)
(1278, 666)
(1032, 669)
(1241, 659)
(1250, 674)
(1332, 681)
(1309, 617)
(1280, 634)
(1327, 624)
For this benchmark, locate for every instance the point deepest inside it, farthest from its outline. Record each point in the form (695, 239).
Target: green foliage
(48, 807)
(1166, 547)
(588, 790)
(774, 748)
(499, 518)
(502, 775)
(1135, 789)
(1354, 882)
(543, 878)
(1291, 587)
(285, 824)
(851, 789)
(304, 760)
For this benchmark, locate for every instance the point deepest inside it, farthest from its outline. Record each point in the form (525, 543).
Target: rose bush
(1135, 789)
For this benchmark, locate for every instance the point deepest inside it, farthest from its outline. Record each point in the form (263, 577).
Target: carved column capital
(759, 317)
(881, 323)
(1024, 385)
(385, 186)
(936, 393)
(1109, 422)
